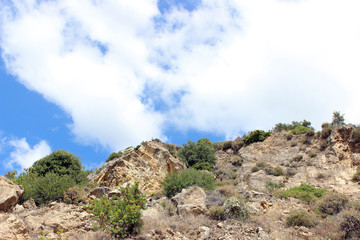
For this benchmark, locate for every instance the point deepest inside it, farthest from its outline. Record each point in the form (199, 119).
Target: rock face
(9, 193)
(149, 164)
(191, 200)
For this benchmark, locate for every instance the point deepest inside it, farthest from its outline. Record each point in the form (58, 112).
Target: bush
(278, 171)
(299, 130)
(174, 183)
(297, 158)
(350, 225)
(75, 195)
(256, 136)
(217, 213)
(113, 155)
(332, 203)
(237, 144)
(235, 208)
(300, 218)
(50, 188)
(271, 186)
(226, 145)
(61, 163)
(203, 166)
(338, 119)
(284, 126)
(326, 132)
(304, 192)
(121, 215)
(236, 161)
(193, 153)
(323, 145)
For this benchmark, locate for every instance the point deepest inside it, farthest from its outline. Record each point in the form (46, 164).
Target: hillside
(251, 178)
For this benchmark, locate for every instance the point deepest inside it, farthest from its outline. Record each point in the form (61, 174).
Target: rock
(29, 204)
(100, 191)
(235, 208)
(149, 164)
(12, 227)
(204, 232)
(190, 200)
(9, 193)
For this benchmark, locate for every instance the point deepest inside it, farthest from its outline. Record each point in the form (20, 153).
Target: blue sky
(94, 77)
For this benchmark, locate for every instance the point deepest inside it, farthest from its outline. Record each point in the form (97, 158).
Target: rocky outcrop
(149, 164)
(9, 193)
(190, 201)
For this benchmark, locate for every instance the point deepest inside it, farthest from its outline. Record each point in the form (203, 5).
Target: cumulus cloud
(125, 72)
(24, 155)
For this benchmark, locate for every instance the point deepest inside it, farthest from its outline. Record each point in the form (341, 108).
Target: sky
(93, 77)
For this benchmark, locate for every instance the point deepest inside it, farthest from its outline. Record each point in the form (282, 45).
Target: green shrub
(173, 149)
(310, 133)
(226, 145)
(326, 132)
(338, 119)
(203, 166)
(50, 187)
(286, 127)
(271, 186)
(193, 153)
(299, 130)
(255, 169)
(356, 176)
(217, 213)
(312, 154)
(61, 163)
(278, 171)
(113, 155)
(236, 208)
(256, 136)
(304, 192)
(237, 161)
(350, 225)
(332, 203)
(300, 218)
(237, 144)
(174, 183)
(75, 195)
(121, 215)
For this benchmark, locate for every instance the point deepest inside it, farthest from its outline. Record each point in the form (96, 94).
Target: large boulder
(149, 163)
(191, 200)
(9, 193)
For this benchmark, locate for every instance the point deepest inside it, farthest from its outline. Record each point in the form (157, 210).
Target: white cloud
(238, 64)
(24, 155)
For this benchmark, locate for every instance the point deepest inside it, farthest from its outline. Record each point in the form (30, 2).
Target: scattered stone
(9, 193)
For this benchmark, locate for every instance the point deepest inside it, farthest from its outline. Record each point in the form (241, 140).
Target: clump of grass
(272, 186)
(304, 192)
(300, 218)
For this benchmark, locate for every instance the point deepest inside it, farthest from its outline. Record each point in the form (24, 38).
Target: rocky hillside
(252, 179)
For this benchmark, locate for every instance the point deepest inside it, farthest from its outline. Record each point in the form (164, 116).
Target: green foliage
(237, 161)
(332, 203)
(304, 192)
(256, 136)
(113, 155)
(61, 163)
(326, 132)
(203, 166)
(121, 215)
(26, 179)
(75, 195)
(278, 171)
(271, 186)
(193, 153)
(287, 127)
(174, 183)
(226, 145)
(217, 213)
(237, 144)
(338, 119)
(300, 218)
(50, 187)
(300, 130)
(236, 208)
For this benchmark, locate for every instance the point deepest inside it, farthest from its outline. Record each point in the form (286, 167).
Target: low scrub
(113, 156)
(300, 130)
(174, 183)
(332, 203)
(121, 215)
(304, 192)
(350, 225)
(356, 176)
(256, 136)
(300, 218)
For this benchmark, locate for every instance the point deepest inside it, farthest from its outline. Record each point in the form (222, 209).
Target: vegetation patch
(174, 183)
(300, 130)
(303, 192)
(332, 203)
(356, 176)
(256, 136)
(113, 155)
(300, 218)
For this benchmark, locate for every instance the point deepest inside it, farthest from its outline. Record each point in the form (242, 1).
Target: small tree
(200, 152)
(338, 119)
(61, 163)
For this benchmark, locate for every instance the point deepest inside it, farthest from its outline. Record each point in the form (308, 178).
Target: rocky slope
(323, 161)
